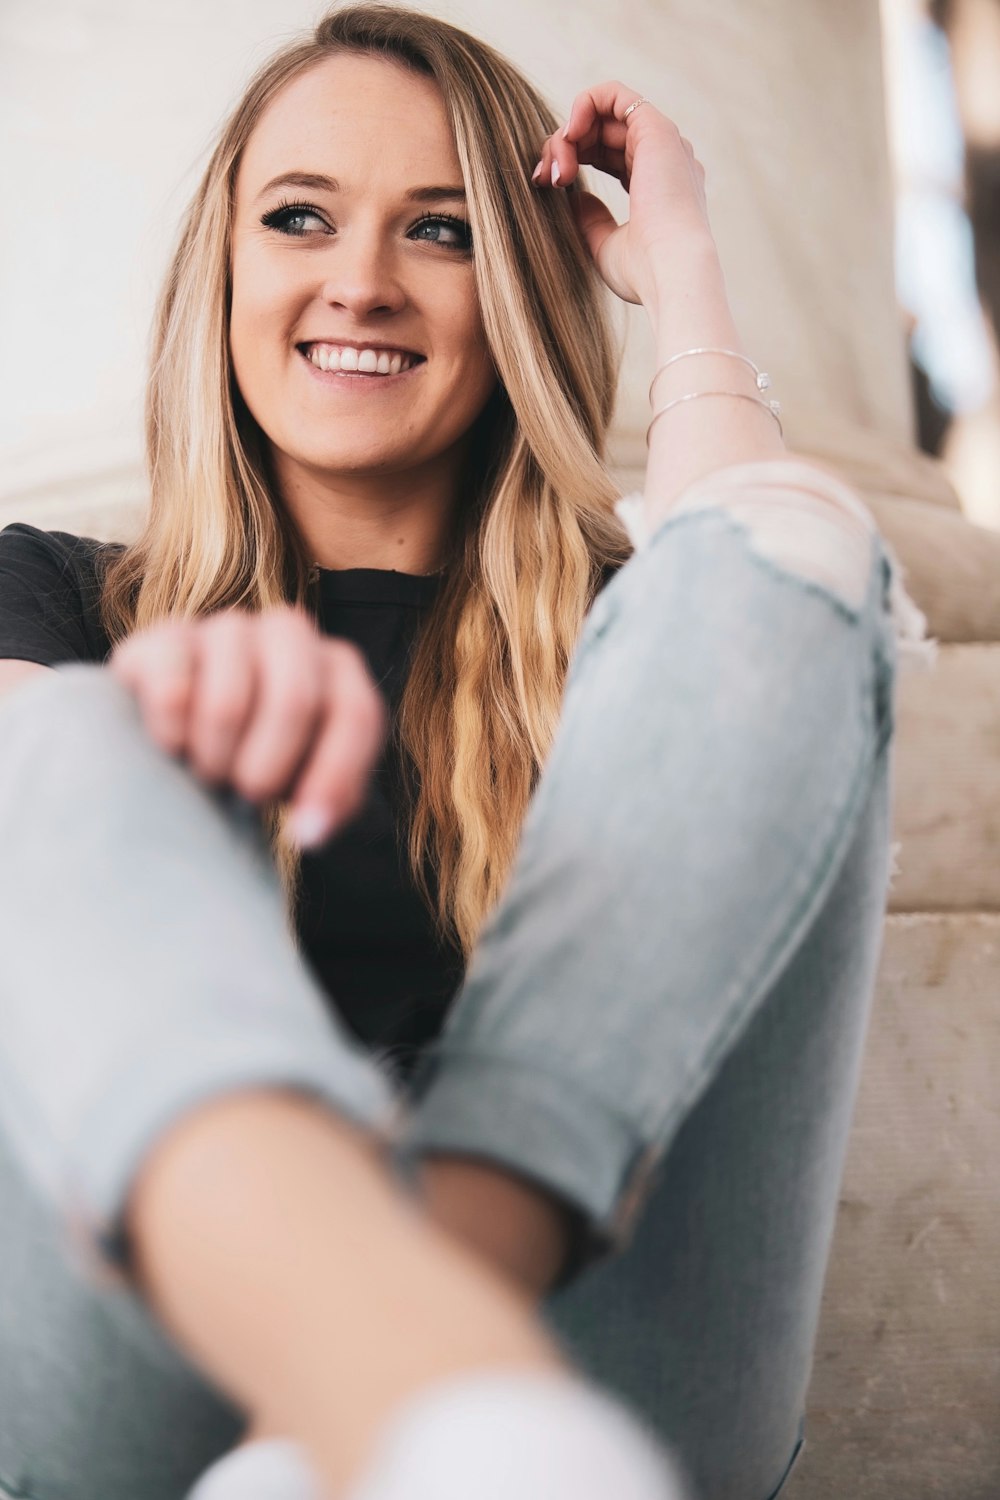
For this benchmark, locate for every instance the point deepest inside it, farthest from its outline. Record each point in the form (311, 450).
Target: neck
(395, 521)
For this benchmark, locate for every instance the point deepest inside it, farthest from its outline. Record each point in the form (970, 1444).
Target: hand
(668, 214)
(263, 703)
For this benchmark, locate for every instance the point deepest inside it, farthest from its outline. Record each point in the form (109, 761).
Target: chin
(371, 461)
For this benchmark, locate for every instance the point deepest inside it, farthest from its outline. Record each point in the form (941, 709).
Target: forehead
(355, 118)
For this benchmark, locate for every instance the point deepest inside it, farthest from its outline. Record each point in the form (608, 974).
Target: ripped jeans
(663, 1022)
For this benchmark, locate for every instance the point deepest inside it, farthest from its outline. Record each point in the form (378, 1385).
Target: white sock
(268, 1469)
(494, 1435)
(503, 1435)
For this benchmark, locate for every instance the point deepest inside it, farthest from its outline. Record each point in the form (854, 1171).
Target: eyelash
(277, 218)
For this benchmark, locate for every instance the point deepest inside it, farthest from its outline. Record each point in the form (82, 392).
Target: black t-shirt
(364, 929)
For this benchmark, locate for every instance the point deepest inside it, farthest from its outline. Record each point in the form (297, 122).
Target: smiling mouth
(378, 364)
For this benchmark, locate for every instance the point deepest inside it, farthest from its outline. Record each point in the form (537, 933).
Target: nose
(361, 276)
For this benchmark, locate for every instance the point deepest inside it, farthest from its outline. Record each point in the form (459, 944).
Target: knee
(813, 526)
(816, 541)
(799, 517)
(803, 520)
(74, 699)
(72, 727)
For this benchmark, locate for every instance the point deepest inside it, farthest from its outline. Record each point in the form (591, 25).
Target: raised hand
(668, 214)
(263, 703)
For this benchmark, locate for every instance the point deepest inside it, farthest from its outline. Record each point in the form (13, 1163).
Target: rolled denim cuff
(143, 1103)
(543, 1127)
(87, 1164)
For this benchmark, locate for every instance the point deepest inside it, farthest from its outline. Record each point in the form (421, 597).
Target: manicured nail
(555, 174)
(536, 173)
(310, 826)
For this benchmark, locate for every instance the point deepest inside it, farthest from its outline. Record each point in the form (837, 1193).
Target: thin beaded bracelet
(773, 407)
(761, 377)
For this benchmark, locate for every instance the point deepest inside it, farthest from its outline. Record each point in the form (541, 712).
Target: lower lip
(356, 380)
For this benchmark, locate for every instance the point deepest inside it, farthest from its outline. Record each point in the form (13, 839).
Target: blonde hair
(536, 525)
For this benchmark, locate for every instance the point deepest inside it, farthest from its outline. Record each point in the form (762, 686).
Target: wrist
(684, 295)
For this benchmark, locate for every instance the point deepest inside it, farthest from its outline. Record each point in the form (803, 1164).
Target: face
(355, 331)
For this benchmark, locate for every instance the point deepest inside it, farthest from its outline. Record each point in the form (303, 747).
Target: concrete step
(905, 1395)
(947, 783)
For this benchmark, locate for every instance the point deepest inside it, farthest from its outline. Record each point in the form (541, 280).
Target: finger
(224, 697)
(595, 219)
(548, 172)
(287, 706)
(560, 162)
(605, 158)
(159, 666)
(585, 128)
(595, 125)
(598, 113)
(333, 785)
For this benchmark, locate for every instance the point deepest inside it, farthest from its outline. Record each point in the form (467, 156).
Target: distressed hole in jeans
(811, 537)
(800, 518)
(807, 522)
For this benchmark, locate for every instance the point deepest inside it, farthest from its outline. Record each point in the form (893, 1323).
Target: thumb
(594, 218)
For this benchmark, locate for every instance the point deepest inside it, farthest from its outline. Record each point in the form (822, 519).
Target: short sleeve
(48, 597)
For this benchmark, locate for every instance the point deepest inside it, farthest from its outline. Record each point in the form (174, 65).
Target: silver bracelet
(774, 407)
(761, 376)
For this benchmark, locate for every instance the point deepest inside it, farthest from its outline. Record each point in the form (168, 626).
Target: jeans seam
(793, 1462)
(833, 842)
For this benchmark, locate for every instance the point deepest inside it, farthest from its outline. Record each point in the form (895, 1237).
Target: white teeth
(364, 361)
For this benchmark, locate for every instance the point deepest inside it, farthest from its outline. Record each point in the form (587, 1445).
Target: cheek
(475, 332)
(262, 297)
(470, 337)
(243, 315)
(485, 376)
(258, 314)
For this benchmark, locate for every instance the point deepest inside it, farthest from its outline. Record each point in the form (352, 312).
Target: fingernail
(536, 173)
(555, 174)
(565, 130)
(309, 826)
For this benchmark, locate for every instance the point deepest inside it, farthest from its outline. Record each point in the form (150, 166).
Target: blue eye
(289, 218)
(298, 220)
(454, 225)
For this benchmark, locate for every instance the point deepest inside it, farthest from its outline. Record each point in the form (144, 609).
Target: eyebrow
(318, 183)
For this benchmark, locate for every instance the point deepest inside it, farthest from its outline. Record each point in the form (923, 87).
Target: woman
(382, 379)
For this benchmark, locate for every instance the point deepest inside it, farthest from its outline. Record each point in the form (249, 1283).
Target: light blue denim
(663, 1022)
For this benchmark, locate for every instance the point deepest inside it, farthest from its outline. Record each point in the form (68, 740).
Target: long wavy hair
(535, 527)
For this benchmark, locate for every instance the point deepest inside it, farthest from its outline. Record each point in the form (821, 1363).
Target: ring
(634, 105)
